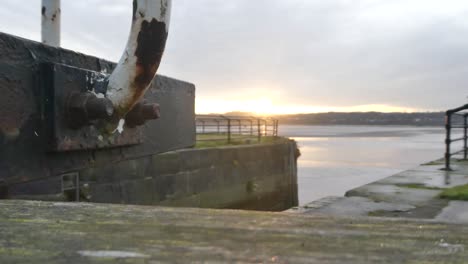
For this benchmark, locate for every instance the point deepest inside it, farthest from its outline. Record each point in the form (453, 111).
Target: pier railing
(234, 128)
(456, 120)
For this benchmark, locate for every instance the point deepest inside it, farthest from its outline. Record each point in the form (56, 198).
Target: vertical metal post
(217, 125)
(77, 190)
(259, 132)
(51, 19)
(276, 127)
(240, 127)
(448, 127)
(229, 131)
(251, 127)
(465, 148)
(203, 127)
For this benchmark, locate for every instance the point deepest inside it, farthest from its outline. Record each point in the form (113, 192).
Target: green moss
(376, 213)
(418, 186)
(456, 193)
(432, 163)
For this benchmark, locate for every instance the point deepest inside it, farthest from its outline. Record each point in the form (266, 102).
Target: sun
(262, 106)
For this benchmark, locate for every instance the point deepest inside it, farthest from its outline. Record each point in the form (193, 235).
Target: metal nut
(141, 113)
(84, 108)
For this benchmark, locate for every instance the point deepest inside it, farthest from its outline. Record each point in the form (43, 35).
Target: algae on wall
(258, 177)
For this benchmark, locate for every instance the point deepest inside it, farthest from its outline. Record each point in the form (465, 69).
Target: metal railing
(456, 119)
(234, 128)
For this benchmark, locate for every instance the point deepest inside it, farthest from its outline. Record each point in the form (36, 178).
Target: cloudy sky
(288, 55)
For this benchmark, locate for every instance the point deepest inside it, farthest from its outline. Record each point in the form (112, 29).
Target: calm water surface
(336, 159)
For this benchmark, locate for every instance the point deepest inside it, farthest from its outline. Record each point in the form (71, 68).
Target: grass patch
(378, 213)
(210, 141)
(456, 193)
(418, 186)
(432, 163)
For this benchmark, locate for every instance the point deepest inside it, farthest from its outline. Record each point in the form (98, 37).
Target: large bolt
(83, 108)
(141, 113)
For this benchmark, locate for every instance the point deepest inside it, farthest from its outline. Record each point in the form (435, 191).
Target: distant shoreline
(368, 119)
(375, 125)
(418, 119)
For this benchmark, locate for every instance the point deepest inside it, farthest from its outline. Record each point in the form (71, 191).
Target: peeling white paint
(120, 127)
(99, 95)
(111, 254)
(121, 81)
(452, 248)
(51, 20)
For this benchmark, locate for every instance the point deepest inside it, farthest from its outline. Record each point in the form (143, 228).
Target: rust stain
(151, 43)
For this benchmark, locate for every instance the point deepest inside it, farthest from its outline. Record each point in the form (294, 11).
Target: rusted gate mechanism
(90, 110)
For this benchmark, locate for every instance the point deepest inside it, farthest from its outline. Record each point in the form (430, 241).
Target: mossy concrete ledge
(259, 177)
(46, 232)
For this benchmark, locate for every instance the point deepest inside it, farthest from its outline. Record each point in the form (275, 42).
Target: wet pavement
(409, 194)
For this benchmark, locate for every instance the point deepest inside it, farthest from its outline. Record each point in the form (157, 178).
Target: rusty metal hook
(141, 58)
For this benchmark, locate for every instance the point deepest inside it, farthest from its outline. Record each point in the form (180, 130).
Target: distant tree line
(369, 118)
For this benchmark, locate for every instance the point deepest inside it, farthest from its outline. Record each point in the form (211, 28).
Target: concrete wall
(259, 177)
(26, 165)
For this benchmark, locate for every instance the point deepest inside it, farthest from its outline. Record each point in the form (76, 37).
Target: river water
(336, 159)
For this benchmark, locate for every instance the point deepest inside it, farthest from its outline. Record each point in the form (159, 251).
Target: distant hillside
(370, 118)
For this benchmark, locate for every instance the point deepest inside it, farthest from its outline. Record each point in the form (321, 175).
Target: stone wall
(258, 177)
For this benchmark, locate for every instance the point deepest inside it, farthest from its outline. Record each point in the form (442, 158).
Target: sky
(287, 56)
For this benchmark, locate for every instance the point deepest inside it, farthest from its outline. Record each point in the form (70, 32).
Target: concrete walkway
(410, 194)
(40, 232)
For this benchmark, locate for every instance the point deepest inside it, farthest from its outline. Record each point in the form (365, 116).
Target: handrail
(141, 58)
(449, 126)
(228, 128)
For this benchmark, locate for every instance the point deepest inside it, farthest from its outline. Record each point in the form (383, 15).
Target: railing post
(259, 132)
(51, 22)
(276, 127)
(229, 131)
(448, 127)
(465, 149)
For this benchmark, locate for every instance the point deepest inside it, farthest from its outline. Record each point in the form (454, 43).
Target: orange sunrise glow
(267, 106)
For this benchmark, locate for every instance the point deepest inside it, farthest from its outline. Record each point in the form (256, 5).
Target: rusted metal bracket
(85, 109)
(71, 186)
(76, 112)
